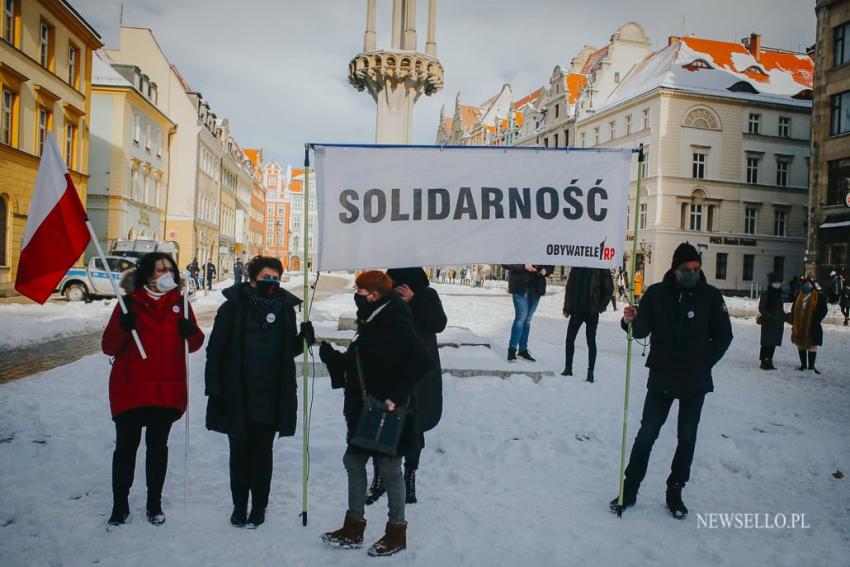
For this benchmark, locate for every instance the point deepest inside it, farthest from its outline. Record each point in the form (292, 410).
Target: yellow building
(45, 79)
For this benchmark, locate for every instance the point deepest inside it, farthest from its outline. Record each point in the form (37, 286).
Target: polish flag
(57, 234)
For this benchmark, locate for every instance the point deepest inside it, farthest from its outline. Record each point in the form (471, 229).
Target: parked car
(92, 281)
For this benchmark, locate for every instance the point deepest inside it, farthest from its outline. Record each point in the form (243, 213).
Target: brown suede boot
(349, 536)
(394, 540)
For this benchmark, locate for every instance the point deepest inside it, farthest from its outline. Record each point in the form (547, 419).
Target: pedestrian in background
(149, 394)
(772, 320)
(238, 268)
(844, 301)
(586, 296)
(526, 284)
(806, 315)
(210, 274)
(637, 285)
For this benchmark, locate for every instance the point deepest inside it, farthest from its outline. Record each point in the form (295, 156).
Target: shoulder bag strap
(360, 373)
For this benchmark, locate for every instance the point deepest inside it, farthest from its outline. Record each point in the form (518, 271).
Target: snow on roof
(529, 98)
(102, 72)
(776, 76)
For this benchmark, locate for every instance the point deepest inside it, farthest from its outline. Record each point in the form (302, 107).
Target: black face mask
(361, 301)
(267, 287)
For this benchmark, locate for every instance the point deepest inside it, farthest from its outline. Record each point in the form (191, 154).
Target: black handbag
(378, 429)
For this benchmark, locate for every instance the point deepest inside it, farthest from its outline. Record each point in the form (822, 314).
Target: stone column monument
(398, 76)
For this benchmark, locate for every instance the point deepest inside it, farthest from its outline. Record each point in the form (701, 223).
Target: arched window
(131, 234)
(755, 70)
(702, 117)
(743, 87)
(697, 64)
(4, 230)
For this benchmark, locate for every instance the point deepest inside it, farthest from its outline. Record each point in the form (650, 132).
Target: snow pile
(517, 473)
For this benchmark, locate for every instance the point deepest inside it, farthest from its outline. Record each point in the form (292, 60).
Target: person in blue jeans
(526, 284)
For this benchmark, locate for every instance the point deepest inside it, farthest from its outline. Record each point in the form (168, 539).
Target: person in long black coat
(429, 319)
(250, 381)
(393, 360)
(772, 320)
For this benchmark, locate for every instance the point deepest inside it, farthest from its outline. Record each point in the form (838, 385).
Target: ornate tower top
(398, 76)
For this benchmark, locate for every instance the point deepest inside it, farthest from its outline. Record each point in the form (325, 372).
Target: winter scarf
(801, 318)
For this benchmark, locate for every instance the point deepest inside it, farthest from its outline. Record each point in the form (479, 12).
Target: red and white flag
(56, 234)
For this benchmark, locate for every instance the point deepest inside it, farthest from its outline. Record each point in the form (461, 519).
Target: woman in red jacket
(148, 393)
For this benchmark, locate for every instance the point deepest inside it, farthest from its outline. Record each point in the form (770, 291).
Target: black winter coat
(227, 407)
(772, 314)
(600, 290)
(689, 332)
(394, 361)
(429, 318)
(521, 280)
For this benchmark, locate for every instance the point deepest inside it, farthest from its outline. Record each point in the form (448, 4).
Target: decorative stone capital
(376, 70)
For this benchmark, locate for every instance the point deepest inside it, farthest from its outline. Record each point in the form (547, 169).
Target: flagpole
(102, 257)
(629, 338)
(306, 318)
(188, 390)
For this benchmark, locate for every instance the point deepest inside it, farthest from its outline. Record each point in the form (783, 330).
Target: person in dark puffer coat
(772, 321)
(429, 319)
(393, 360)
(251, 383)
(147, 393)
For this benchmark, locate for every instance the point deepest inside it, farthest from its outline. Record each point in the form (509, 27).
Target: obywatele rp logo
(582, 250)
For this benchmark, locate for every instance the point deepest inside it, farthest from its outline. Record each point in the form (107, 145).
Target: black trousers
(251, 462)
(157, 422)
(766, 352)
(590, 321)
(655, 410)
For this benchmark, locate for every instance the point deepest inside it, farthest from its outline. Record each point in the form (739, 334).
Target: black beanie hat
(685, 253)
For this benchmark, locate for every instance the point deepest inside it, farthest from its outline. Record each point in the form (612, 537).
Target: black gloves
(187, 327)
(127, 321)
(327, 353)
(308, 333)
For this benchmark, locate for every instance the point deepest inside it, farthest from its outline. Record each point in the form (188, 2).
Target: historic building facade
(45, 84)
(277, 228)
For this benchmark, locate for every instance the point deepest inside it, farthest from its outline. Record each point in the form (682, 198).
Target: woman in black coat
(250, 381)
(429, 319)
(393, 361)
(772, 320)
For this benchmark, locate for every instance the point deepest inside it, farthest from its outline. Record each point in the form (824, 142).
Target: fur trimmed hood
(127, 283)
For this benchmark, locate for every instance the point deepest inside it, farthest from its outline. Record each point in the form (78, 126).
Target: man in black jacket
(689, 330)
(527, 284)
(586, 296)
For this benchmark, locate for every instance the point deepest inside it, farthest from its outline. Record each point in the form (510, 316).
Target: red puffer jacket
(161, 379)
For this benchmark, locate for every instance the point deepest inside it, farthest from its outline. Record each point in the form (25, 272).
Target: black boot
(239, 517)
(410, 485)
(524, 354)
(511, 355)
(256, 517)
(154, 513)
(629, 498)
(812, 356)
(568, 371)
(769, 364)
(377, 489)
(803, 361)
(120, 511)
(674, 501)
(590, 375)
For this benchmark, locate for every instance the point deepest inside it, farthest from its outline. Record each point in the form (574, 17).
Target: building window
(840, 120)
(296, 223)
(754, 123)
(70, 139)
(43, 127)
(841, 46)
(556, 139)
(720, 266)
(134, 183)
(281, 211)
(645, 171)
(628, 124)
(782, 172)
(4, 230)
(642, 223)
(752, 170)
(779, 267)
(596, 136)
(147, 135)
(748, 267)
(583, 139)
(779, 217)
(73, 65)
(9, 21)
(750, 220)
(645, 118)
(146, 187)
(699, 165)
(611, 130)
(546, 142)
(557, 111)
(157, 191)
(137, 126)
(696, 217)
(45, 45)
(784, 127)
(838, 183)
(616, 77)
(7, 120)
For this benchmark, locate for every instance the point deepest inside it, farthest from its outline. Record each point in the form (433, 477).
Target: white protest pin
(690, 314)
(270, 318)
(176, 309)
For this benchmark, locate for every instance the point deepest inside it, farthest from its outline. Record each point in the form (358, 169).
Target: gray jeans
(390, 469)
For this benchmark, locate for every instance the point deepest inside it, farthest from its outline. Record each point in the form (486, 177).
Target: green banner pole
(306, 317)
(629, 338)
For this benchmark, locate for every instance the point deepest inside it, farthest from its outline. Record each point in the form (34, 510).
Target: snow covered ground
(517, 473)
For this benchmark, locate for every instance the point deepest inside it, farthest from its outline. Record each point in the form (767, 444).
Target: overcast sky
(278, 68)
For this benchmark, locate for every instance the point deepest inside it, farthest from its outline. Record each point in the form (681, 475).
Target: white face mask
(165, 282)
(776, 285)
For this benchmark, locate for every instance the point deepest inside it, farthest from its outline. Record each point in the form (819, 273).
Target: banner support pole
(305, 318)
(629, 338)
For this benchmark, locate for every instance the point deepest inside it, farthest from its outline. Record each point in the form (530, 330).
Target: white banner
(394, 207)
